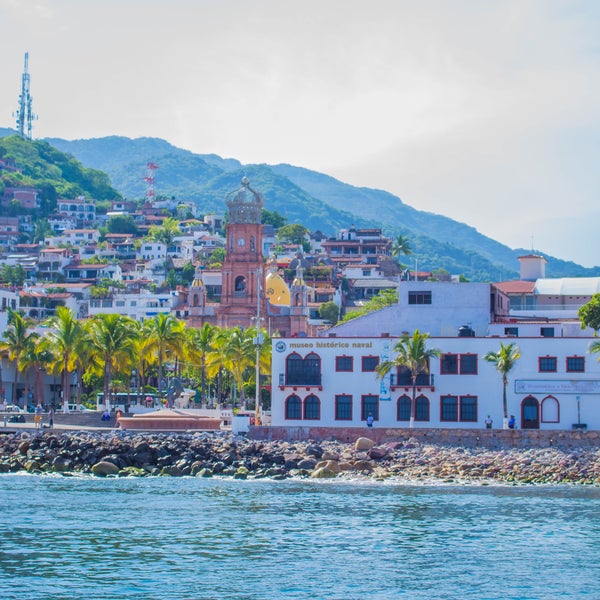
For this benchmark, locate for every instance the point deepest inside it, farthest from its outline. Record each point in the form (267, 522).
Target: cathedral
(249, 289)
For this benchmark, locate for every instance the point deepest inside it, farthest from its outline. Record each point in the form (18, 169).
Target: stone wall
(471, 438)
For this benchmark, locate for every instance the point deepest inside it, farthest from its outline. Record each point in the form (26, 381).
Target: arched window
(312, 408)
(240, 283)
(195, 300)
(403, 409)
(252, 244)
(550, 410)
(530, 413)
(422, 409)
(293, 408)
(305, 371)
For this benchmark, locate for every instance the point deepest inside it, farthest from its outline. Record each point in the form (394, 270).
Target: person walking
(51, 417)
(512, 422)
(38, 416)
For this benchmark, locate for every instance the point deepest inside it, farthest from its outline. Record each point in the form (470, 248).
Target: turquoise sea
(191, 538)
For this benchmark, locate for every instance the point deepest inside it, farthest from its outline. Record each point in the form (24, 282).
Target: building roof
(568, 286)
(518, 286)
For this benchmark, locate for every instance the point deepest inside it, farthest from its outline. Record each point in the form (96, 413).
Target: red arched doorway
(530, 413)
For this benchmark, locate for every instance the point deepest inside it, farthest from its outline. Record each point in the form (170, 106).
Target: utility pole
(24, 114)
(258, 340)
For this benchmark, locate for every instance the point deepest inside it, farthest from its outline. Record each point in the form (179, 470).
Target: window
(403, 409)
(468, 364)
(419, 297)
(369, 363)
(422, 409)
(550, 410)
(405, 379)
(343, 363)
(301, 371)
(293, 408)
(312, 407)
(547, 331)
(547, 364)
(343, 408)
(449, 408)
(468, 408)
(370, 405)
(575, 364)
(449, 364)
(511, 331)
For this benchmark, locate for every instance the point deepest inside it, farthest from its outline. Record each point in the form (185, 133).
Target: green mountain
(318, 201)
(54, 173)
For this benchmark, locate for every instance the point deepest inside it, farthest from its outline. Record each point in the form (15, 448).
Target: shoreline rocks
(125, 454)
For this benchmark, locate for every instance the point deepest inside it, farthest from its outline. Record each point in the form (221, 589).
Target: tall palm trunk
(413, 403)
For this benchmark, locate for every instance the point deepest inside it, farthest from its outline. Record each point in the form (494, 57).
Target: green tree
(18, 343)
(401, 246)
(383, 299)
(595, 349)
(188, 272)
(504, 360)
(41, 230)
(13, 275)
(413, 354)
(589, 314)
(166, 339)
(273, 218)
(112, 336)
(294, 233)
(329, 311)
(199, 345)
(165, 233)
(240, 355)
(121, 224)
(62, 340)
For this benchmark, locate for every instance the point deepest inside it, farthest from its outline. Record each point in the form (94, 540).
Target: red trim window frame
(344, 357)
(581, 358)
(547, 358)
(444, 370)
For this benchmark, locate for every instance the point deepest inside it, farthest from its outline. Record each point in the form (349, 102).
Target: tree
(200, 343)
(18, 342)
(412, 354)
(121, 224)
(188, 273)
(165, 233)
(272, 218)
(166, 339)
(504, 360)
(589, 314)
(62, 340)
(41, 230)
(239, 354)
(595, 349)
(112, 337)
(329, 311)
(401, 246)
(293, 233)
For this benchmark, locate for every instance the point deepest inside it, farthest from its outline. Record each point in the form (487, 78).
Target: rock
(363, 443)
(362, 465)
(307, 464)
(61, 464)
(104, 468)
(378, 452)
(322, 473)
(328, 455)
(171, 471)
(314, 450)
(204, 473)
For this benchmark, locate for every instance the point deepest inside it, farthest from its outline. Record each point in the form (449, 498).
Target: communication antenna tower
(24, 114)
(149, 179)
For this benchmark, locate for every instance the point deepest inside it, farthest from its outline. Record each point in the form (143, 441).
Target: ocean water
(192, 538)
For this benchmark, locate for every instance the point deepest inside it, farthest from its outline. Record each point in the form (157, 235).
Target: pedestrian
(511, 422)
(488, 422)
(370, 420)
(51, 417)
(38, 416)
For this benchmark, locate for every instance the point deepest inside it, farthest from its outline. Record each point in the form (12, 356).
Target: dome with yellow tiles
(276, 289)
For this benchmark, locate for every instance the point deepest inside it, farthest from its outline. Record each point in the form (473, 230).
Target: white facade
(554, 385)
(137, 306)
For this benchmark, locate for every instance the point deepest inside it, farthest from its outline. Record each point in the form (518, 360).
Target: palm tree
(595, 349)
(19, 341)
(38, 359)
(504, 360)
(62, 340)
(411, 353)
(401, 245)
(112, 335)
(199, 345)
(239, 354)
(166, 339)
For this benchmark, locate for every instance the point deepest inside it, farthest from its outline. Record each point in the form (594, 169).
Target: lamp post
(258, 340)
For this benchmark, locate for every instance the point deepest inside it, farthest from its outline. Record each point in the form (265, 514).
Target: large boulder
(363, 443)
(323, 473)
(104, 468)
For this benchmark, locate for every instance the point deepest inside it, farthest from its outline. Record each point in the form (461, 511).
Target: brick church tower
(243, 265)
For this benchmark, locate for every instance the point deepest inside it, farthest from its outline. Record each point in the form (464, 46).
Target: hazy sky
(487, 111)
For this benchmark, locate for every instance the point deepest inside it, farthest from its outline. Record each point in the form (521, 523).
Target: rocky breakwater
(220, 454)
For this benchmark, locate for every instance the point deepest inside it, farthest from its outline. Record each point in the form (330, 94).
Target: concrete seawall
(469, 438)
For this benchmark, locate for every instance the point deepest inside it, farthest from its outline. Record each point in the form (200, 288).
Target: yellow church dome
(276, 290)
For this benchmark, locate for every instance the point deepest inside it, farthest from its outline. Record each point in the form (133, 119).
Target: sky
(485, 111)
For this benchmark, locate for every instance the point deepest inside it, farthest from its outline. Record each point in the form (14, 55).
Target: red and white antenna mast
(149, 179)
